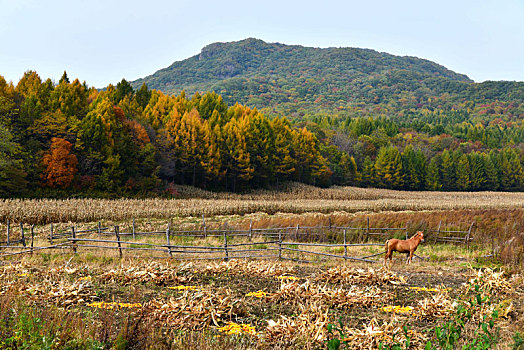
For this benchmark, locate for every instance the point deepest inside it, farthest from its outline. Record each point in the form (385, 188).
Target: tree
(64, 79)
(433, 177)
(123, 89)
(311, 167)
(29, 84)
(12, 176)
(463, 173)
(237, 158)
(388, 168)
(60, 164)
(72, 99)
(348, 169)
(512, 175)
(448, 171)
(209, 103)
(283, 157)
(193, 140)
(477, 166)
(260, 141)
(492, 180)
(368, 172)
(143, 95)
(414, 168)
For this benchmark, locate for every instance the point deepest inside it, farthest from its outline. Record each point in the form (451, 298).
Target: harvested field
(101, 302)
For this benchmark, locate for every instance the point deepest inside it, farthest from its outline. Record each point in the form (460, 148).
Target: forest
(67, 139)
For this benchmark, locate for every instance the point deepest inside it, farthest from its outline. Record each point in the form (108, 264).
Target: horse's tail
(386, 246)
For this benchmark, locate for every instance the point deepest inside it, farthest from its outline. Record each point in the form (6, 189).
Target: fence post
(438, 231)
(51, 234)
(8, 231)
(468, 235)
(99, 228)
(168, 241)
(280, 245)
(296, 232)
(492, 246)
(226, 258)
(32, 237)
(345, 246)
(133, 228)
(204, 226)
(73, 236)
(367, 231)
(117, 234)
(329, 222)
(250, 229)
(23, 234)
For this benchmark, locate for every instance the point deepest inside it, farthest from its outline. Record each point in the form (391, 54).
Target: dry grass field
(92, 299)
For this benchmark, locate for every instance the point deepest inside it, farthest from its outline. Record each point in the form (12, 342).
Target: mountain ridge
(297, 80)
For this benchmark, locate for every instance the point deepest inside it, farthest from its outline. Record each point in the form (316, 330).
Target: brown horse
(407, 246)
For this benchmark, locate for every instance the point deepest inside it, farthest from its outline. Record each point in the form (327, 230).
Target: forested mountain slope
(299, 81)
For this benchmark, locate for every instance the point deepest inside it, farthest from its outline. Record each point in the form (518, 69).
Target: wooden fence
(278, 242)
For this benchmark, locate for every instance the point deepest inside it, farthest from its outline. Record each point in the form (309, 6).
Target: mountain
(298, 80)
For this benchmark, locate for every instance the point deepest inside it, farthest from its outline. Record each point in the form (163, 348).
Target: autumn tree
(283, 156)
(60, 164)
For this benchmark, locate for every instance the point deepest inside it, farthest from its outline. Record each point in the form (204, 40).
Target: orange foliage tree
(60, 164)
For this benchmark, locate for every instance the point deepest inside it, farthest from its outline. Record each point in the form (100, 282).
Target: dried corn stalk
(195, 309)
(155, 272)
(296, 293)
(437, 306)
(344, 274)
(490, 281)
(372, 335)
(310, 326)
(59, 292)
(256, 268)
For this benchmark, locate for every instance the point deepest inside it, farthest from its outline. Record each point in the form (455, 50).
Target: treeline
(450, 171)
(70, 138)
(441, 150)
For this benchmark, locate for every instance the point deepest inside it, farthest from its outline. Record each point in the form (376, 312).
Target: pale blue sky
(104, 41)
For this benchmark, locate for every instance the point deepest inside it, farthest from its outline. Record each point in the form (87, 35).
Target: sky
(101, 42)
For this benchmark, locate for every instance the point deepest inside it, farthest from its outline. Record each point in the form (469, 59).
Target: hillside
(296, 80)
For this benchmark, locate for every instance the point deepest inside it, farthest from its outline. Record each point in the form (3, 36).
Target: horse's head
(421, 235)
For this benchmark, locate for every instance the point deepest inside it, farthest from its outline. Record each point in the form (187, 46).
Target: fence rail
(274, 240)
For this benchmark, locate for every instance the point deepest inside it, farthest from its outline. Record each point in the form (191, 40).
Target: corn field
(297, 199)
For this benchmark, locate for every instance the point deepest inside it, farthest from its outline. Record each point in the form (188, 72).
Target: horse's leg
(387, 252)
(411, 255)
